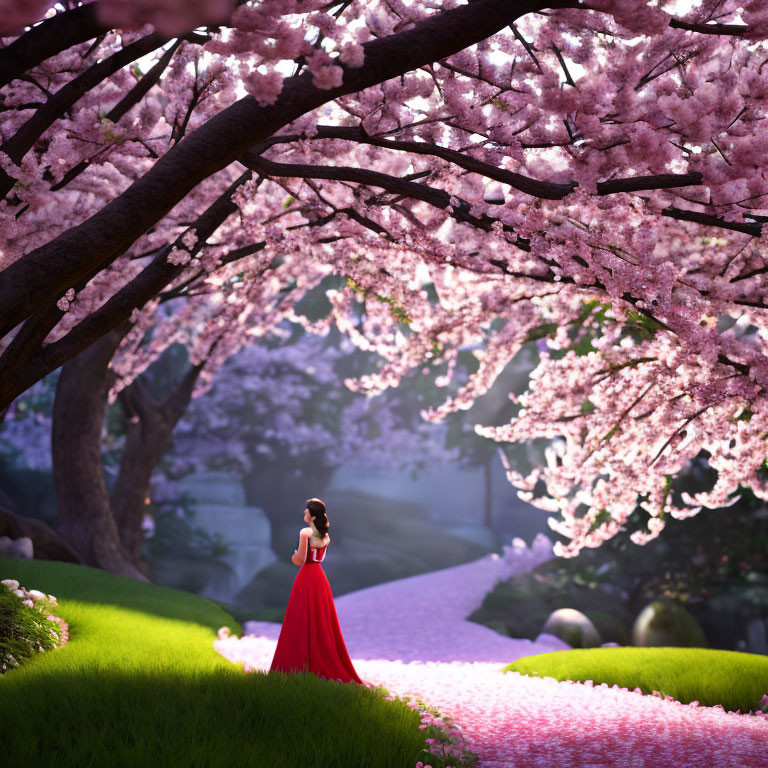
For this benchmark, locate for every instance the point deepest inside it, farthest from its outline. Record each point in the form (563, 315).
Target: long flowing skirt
(310, 638)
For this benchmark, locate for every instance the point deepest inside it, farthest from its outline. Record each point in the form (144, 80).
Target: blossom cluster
(611, 152)
(42, 604)
(507, 718)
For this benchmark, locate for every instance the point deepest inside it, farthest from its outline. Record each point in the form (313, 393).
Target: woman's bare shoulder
(306, 532)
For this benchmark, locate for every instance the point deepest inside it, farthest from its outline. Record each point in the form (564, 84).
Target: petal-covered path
(411, 636)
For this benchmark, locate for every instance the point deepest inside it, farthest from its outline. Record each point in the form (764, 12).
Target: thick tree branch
(709, 220)
(36, 278)
(709, 29)
(23, 140)
(736, 30)
(438, 198)
(48, 38)
(16, 378)
(546, 190)
(133, 97)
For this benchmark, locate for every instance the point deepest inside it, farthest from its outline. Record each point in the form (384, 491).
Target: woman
(310, 638)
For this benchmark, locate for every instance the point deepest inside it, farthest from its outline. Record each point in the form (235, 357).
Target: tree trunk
(150, 429)
(85, 518)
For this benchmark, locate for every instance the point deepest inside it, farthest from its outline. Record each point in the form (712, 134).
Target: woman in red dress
(310, 638)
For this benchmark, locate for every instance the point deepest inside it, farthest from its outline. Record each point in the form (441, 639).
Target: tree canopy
(589, 175)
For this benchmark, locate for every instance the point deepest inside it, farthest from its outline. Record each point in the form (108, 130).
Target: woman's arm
(300, 555)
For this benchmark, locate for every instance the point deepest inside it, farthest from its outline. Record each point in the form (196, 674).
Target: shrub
(26, 624)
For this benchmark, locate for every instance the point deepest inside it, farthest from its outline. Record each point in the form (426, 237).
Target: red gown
(310, 639)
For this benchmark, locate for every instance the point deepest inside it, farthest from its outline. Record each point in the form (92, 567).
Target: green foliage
(24, 631)
(141, 684)
(642, 320)
(734, 680)
(176, 536)
(540, 331)
(588, 326)
(714, 564)
(601, 518)
(397, 312)
(584, 329)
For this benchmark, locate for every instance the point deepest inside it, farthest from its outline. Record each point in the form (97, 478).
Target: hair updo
(320, 518)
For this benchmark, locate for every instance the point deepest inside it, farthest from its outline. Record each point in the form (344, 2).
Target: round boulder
(667, 623)
(611, 628)
(573, 627)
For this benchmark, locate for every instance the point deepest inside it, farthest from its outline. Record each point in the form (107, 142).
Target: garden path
(411, 637)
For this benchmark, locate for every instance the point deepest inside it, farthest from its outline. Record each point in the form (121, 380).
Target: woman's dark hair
(317, 511)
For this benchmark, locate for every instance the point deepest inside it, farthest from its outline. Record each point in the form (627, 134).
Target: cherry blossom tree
(588, 174)
(278, 407)
(274, 406)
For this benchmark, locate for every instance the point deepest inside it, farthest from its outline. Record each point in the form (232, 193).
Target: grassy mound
(734, 680)
(140, 684)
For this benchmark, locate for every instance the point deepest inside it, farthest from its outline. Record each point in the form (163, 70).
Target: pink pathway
(411, 637)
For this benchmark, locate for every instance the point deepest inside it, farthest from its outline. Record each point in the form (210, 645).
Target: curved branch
(691, 26)
(37, 277)
(131, 99)
(22, 141)
(709, 29)
(18, 374)
(48, 38)
(546, 190)
(438, 198)
(709, 220)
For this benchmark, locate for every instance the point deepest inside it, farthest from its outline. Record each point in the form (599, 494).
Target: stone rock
(24, 547)
(757, 641)
(667, 623)
(611, 628)
(21, 547)
(573, 627)
(218, 503)
(46, 543)
(225, 488)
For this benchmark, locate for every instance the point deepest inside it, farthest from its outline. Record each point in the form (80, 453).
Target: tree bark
(48, 38)
(25, 361)
(150, 429)
(45, 273)
(85, 518)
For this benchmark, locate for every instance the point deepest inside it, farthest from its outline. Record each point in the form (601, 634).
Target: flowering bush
(446, 742)
(26, 624)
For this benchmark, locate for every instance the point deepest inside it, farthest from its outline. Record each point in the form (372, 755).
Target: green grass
(734, 680)
(140, 684)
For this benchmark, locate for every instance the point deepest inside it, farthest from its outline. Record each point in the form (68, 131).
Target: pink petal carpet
(411, 637)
